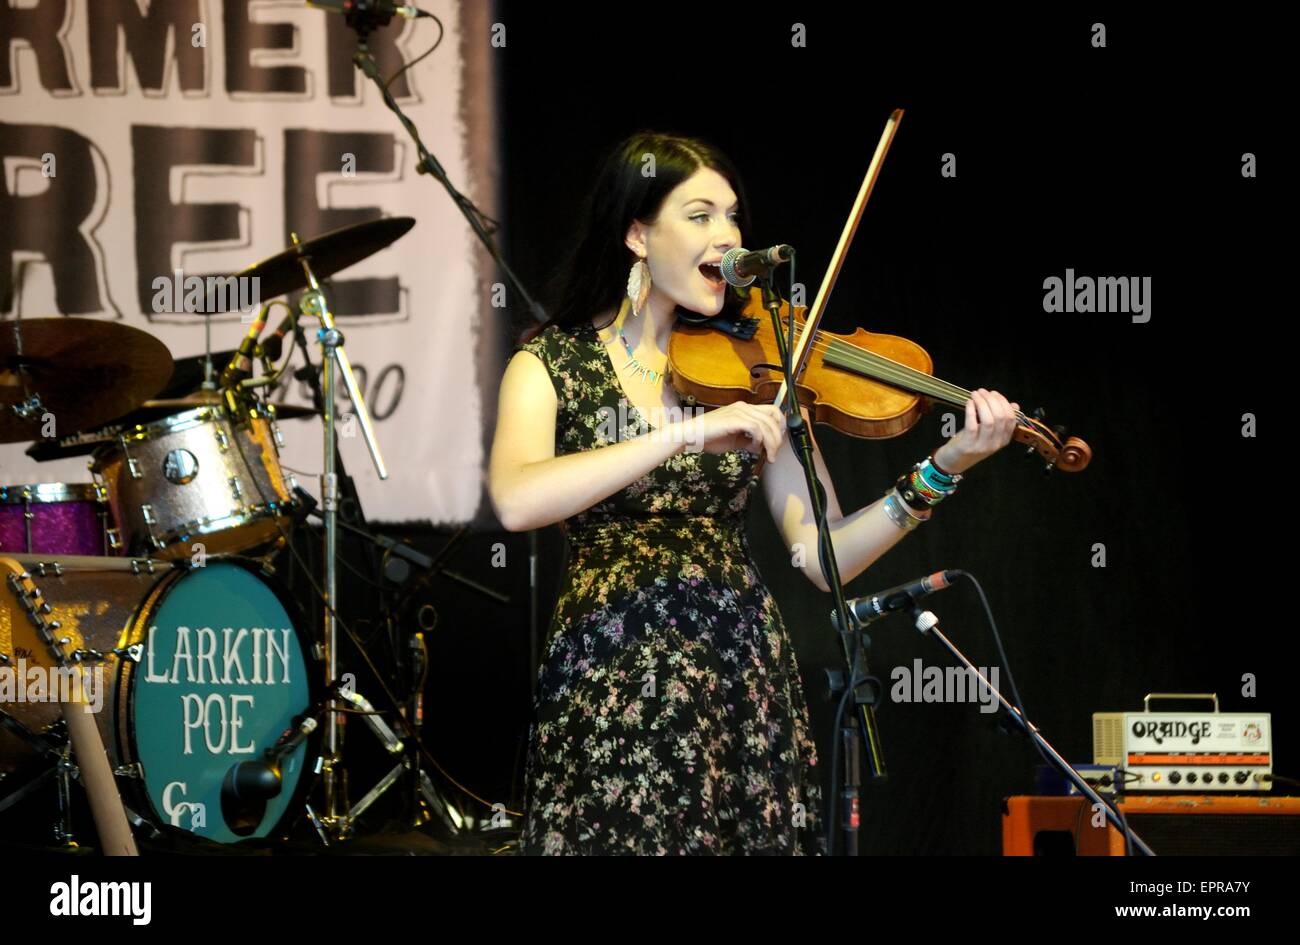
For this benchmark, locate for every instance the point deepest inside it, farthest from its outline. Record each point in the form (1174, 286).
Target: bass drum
(214, 672)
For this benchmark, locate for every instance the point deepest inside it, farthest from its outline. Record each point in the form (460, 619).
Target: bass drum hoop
(124, 731)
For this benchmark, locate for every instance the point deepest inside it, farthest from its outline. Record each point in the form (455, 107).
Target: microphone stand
(850, 736)
(928, 625)
(365, 21)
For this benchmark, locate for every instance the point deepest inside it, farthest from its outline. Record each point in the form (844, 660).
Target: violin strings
(886, 369)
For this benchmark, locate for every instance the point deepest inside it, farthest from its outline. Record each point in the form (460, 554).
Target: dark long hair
(593, 277)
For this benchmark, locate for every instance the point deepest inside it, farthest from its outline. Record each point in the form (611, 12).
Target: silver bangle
(895, 509)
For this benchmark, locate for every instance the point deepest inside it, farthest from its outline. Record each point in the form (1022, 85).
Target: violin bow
(1067, 454)
(813, 316)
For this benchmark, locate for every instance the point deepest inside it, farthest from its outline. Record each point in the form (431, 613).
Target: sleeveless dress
(670, 716)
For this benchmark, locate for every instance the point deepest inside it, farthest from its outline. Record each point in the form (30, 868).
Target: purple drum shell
(65, 528)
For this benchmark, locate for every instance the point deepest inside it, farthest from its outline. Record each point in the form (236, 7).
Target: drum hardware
(53, 761)
(293, 269)
(398, 553)
(285, 273)
(92, 758)
(29, 408)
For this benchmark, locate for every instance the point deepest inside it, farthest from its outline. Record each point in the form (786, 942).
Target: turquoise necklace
(636, 364)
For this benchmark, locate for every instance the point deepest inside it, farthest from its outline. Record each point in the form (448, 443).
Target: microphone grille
(728, 267)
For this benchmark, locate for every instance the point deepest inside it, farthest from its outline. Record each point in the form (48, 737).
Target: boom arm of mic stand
(928, 624)
(428, 164)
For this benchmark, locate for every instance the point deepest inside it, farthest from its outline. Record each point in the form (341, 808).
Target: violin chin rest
(738, 326)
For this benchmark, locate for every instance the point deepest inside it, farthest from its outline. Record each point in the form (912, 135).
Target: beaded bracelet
(925, 486)
(917, 491)
(935, 477)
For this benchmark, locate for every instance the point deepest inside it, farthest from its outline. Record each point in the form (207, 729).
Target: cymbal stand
(334, 819)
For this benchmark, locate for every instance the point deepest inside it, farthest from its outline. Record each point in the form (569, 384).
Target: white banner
(142, 139)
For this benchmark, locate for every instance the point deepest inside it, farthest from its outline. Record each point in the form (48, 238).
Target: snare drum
(197, 478)
(59, 518)
(216, 671)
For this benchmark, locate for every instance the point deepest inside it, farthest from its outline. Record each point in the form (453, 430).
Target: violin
(865, 384)
(868, 385)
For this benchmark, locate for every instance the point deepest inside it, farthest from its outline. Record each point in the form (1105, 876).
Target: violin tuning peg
(1030, 452)
(1039, 413)
(1059, 430)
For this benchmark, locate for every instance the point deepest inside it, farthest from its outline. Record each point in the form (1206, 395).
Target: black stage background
(1122, 161)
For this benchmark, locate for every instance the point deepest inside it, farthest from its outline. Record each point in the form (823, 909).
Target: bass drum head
(223, 673)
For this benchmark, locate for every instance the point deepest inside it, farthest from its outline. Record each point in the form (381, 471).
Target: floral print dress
(670, 716)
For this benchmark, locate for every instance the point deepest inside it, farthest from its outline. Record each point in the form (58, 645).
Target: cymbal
(329, 253)
(85, 372)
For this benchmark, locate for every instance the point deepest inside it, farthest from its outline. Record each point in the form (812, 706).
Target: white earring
(638, 285)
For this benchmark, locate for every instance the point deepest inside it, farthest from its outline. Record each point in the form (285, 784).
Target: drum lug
(223, 442)
(138, 562)
(134, 652)
(235, 489)
(133, 467)
(277, 436)
(114, 539)
(133, 770)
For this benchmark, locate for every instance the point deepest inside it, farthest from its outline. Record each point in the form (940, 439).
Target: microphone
(290, 740)
(248, 782)
(261, 779)
(241, 363)
(874, 606)
(273, 346)
(740, 266)
(383, 8)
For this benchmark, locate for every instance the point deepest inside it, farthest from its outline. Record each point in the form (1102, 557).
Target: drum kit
(146, 598)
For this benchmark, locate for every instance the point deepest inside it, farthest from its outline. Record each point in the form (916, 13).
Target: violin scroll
(1068, 454)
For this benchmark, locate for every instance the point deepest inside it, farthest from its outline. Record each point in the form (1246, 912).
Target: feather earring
(638, 285)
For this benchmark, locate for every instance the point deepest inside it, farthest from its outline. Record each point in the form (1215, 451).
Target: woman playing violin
(670, 716)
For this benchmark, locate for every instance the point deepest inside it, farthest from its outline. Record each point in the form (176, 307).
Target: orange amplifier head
(1186, 751)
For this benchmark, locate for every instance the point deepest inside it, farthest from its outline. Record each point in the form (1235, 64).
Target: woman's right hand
(755, 427)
